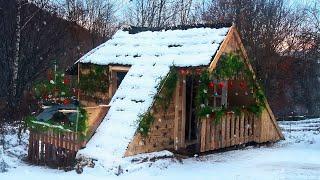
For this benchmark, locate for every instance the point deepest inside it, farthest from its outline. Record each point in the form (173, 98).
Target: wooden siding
(160, 136)
(165, 132)
(236, 130)
(230, 131)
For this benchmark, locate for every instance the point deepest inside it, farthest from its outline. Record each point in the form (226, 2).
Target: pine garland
(57, 89)
(145, 122)
(96, 80)
(166, 89)
(230, 65)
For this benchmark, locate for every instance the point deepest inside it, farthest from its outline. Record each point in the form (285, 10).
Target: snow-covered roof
(192, 46)
(150, 54)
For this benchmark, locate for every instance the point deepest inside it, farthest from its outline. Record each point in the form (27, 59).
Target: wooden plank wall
(160, 136)
(167, 132)
(267, 130)
(232, 130)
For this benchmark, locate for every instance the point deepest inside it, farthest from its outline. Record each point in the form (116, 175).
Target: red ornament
(242, 85)
(66, 101)
(211, 85)
(66, 80)
(221, 85)
(45, 97)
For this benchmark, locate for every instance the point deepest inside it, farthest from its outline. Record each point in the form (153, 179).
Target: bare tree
(98, 16)
(20, 26)
(159, 13)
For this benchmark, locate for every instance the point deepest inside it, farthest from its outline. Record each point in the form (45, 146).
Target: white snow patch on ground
(297, 157)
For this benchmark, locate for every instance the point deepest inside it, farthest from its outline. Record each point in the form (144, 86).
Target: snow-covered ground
(297, 157)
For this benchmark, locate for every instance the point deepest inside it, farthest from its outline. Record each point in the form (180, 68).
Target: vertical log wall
(230, 131)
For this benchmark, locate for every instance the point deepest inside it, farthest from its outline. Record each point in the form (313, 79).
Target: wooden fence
(53, 149)
(232, 130)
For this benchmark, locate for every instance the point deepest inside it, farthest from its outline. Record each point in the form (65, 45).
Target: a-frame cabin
(164, 94)
(177, 127)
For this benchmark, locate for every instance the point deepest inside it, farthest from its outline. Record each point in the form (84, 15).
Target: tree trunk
(15, 65)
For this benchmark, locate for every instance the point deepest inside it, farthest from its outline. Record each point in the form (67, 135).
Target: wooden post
(183, 108)
(213, 136)
(177, 115)
(237, 127)
(232, 119)
(208, 133)
(227, 133)
(203, 135)
(241, 134)
(223, 131)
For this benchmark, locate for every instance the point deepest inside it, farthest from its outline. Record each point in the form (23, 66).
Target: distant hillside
(45, 38)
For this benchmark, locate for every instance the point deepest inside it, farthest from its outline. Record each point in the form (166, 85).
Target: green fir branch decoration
(166, 89)
(229, 66)
(96, 80)
(145, 122)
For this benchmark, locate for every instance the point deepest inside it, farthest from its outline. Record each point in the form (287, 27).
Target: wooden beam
(221, 49)
(119, 68)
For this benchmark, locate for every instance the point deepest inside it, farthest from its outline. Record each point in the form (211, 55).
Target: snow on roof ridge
(138, 29)
(183, 47)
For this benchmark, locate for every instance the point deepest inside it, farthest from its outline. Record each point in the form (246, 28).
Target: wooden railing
(230, 131)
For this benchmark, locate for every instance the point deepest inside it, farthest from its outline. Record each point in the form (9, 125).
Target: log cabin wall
(160, 136)
(165, 132)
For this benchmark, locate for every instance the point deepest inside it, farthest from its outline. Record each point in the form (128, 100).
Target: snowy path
(297, 157)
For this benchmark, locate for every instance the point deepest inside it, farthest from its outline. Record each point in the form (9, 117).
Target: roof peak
(135, 29)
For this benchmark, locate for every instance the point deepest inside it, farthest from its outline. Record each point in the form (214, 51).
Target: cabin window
(218, 95)
(120, 76)
(117, 74)
(239, 94)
